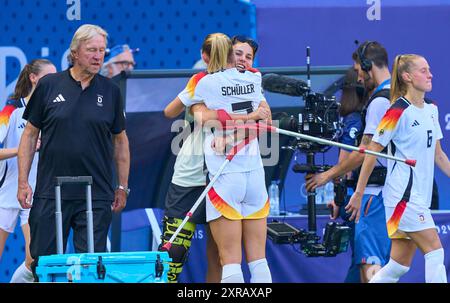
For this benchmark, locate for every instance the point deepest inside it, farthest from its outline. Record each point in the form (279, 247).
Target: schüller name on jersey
(238, 90)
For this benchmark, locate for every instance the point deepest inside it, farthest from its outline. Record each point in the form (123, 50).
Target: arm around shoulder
(174, 108)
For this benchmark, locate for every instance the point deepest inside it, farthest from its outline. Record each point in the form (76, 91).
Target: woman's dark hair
(372, 51)
(24, 86)
(353, 96)
(243, 39)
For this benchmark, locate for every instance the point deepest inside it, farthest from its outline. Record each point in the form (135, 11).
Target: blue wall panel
(168, 33)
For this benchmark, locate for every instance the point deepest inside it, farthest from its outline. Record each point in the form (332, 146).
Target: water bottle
(319, 195)
(328, 193)
(274, 199)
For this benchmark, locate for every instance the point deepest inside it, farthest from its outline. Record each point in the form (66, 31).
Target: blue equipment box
(120, 267)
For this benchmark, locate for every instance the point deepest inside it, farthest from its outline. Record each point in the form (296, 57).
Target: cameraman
(352, 103)
(371, 242)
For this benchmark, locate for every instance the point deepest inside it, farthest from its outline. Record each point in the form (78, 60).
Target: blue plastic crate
(126, 267)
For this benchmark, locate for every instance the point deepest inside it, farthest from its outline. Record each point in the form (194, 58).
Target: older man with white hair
(79, 114)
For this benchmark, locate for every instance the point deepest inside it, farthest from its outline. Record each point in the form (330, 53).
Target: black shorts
(179, 200)
(43, 230)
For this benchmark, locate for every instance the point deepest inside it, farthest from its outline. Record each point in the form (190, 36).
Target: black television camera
(319, 117)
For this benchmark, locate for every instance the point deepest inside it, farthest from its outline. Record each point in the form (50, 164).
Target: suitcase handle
(74, 180)
(87, 180)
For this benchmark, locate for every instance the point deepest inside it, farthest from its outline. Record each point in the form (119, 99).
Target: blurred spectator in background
(119, 58)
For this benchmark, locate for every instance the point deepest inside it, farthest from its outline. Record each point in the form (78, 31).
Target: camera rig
(318, 118)
(335, 239)
(336, 236)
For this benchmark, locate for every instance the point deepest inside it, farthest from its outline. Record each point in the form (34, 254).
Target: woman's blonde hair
(402, 64)
(219, 49)
(83, 33)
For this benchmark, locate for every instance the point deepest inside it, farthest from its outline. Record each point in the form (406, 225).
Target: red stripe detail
(223, 207)
(366, 211)
(253, 70)
(362, 150)
(198, 76)
(212, 194)
(391, 118)
(192, 84)
(394, 220)
(223, 117)
(6, 113)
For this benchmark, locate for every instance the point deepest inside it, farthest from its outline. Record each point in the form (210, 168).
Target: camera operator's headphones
(366, 64)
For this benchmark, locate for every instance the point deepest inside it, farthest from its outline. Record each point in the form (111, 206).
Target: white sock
(434, 267)
(259, 271)
(390, 273)
(22, 275)
(232, 273)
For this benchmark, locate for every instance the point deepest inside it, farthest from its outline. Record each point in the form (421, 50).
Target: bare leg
(3, 237)
(228, 236)
(367, 271)
(23, 273)
(254, 237)
(429, 243)
(26, 235)
(403, 251)
(426, 240)
(214, 272)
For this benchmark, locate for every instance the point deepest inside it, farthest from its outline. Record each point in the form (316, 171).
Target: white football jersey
(189, 164)
(237, 93)
(9, 177)
(411, 133)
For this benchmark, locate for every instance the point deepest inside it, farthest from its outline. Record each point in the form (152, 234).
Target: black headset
(366, 64)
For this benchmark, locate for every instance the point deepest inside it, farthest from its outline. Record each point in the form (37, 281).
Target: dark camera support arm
(311, 196)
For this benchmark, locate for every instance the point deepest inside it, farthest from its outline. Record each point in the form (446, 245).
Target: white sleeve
(188, 95)
(390, 124)
(4, 127)
(375, 112)
(184, 97)
(3, 131)
(9, 128)
(200, 93)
